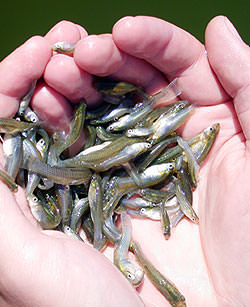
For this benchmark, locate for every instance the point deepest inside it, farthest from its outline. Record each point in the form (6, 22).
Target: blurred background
(21, 19)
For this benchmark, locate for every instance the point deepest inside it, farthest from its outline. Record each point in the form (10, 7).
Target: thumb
(229, 57)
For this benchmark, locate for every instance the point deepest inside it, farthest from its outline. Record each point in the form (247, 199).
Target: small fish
(165, 286)
(12, 126)
(26, 99)
(64, 47)
(121, 260)
(8, 180)
(95, 197)
(46, 213)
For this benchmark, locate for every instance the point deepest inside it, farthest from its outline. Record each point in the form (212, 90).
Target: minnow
(60, 175)
(47, 214)
(121, 260)
(95, 197)
(151, 176)
(80, 207)
(13, 153)
(165, 286)
(64, 199)
(103, 156)
(64, 47)
(12, 126)
(8, 180)
(76, 127)
(26, 99)
(185, 206)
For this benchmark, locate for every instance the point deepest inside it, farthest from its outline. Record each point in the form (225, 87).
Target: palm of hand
(180, 258)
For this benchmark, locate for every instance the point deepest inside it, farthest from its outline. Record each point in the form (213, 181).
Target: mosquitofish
(91, 133)
(121, 260)
(8, 180)
(64, 199)
(105, 135)
(30, 116)
(156, 196)
(60, 175)
(153, 213)
(131, 119)
(71, 233)
(94, 156)
(114, 88)
(151, 176)
(165, 286)
(169, 117)
(13, 153)
(127, 154)
(193, 165)
(113, 114)
(168, 123)
(110, 230)
(185, 183)
(200, 145)
(42, 146)
(46, 213)
(204, 141)
(185, 206)
(97, 112)
(76, 127)
(26, 99)
(80, 207)
(64, 47)
(12, 126)
(165, 221)
(156, 150)
(136, 203)
(88, 227)
(29, 149)
(95, 197)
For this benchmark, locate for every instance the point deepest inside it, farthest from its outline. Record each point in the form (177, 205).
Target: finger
(14, 226)
(52, 108)
(98, 55)
(230, 58)
(18, 70)
(64, 76)
(65, 31)
(174, 52)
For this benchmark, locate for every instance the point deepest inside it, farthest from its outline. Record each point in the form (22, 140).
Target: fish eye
(42, 142)
(129, 275)
(33, 119)
(110, 128)
(143, 210)
(148, 145)
(171, 166)
(34, 199)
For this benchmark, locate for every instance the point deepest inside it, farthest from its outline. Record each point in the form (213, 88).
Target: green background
(21, 19)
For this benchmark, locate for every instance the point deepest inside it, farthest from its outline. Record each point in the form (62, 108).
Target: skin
(208, 263)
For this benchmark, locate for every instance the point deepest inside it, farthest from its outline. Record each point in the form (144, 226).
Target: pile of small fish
(132, 162)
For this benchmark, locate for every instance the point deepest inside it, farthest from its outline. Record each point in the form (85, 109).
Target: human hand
(152, 51)
(47, 268)
(189, 271)
(218, 84)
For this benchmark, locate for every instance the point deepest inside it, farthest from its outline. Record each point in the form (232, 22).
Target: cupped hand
(47, 268)
(209, 263)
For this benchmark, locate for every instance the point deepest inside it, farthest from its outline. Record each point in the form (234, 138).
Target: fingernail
(232, 29)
